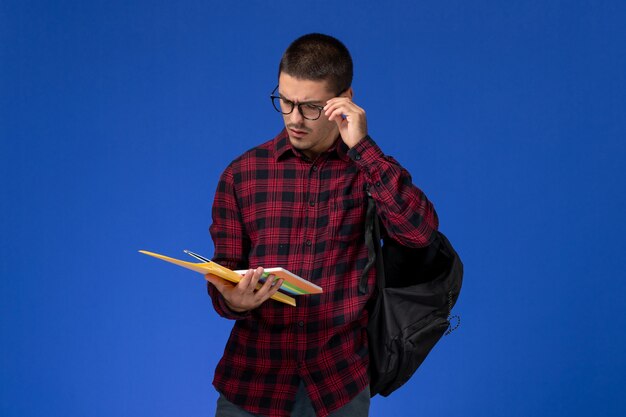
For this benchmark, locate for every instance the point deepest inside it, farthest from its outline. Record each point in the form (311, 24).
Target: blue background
(116, 119)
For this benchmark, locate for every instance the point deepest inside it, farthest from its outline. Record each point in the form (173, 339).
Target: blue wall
(117, 117)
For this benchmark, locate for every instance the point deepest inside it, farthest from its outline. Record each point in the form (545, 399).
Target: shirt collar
(283, 148)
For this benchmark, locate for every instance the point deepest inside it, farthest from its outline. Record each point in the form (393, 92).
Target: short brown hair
(319, 57)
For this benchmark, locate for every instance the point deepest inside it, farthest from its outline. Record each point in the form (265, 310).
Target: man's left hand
(349, 117)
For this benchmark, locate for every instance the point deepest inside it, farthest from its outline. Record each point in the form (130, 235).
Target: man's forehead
(303, 90)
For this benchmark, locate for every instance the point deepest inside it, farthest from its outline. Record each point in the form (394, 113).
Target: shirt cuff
(365, 153)
(367, 156)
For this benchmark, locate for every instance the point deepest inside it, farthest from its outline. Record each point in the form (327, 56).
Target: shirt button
(308, 243)
(315, 168)
(378, 183)
(301, 323)
(311, 203)
(357, 157)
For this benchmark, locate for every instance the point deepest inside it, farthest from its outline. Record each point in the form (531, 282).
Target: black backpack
(416, 290)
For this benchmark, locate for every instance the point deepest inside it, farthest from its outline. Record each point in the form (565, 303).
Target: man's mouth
(297, 132)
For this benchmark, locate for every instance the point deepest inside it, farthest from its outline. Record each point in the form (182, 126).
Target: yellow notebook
(218, 270)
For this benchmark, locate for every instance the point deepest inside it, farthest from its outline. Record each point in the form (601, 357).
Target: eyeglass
(308, 110)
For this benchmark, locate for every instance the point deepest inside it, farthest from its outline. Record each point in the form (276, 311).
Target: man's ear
(348, 93)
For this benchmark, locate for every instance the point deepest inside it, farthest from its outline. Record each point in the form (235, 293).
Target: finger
(338, 115)
(344, 103)
(330, 109)
(274, 289)
(244, 284)
(266, 293)
(269, 283)
(256, 275)
(337, 100)
(345, 110)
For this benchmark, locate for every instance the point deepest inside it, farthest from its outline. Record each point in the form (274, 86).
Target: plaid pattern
(274, 207)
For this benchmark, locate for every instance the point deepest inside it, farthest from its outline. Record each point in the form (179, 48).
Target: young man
(298, 201)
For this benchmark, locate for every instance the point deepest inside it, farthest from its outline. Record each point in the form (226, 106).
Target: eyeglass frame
(298, 105)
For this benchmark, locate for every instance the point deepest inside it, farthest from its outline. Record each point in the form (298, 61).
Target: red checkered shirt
(275, 207)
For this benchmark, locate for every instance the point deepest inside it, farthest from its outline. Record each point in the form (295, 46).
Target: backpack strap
(372, 241)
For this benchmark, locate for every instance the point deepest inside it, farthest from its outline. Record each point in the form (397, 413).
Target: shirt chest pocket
(347, 218)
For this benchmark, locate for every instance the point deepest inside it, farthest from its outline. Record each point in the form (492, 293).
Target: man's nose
(296, 116)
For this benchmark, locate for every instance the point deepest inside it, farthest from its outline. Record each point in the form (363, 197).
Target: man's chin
(297, 142)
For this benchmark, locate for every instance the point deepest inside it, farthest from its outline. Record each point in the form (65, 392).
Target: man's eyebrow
(315, 102)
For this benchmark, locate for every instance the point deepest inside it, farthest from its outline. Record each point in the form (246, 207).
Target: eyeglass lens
(308, 111)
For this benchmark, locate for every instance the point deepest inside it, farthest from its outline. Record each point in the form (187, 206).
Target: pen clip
(195, 255)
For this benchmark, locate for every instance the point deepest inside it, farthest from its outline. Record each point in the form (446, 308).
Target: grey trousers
(358, 407)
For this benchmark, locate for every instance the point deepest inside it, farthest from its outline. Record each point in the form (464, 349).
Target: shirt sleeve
(407, 215)
(229, 238)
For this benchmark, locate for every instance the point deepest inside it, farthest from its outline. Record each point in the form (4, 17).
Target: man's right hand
(244, 296)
